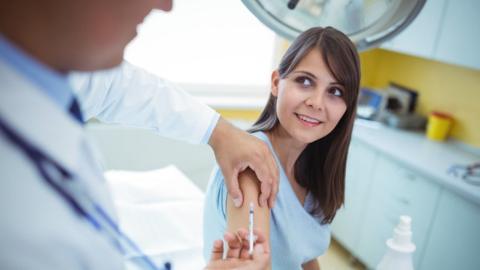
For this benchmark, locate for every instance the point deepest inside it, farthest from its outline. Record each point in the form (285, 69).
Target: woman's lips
(307, 120)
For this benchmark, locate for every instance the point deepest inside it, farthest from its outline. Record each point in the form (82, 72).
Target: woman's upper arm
(237, 218)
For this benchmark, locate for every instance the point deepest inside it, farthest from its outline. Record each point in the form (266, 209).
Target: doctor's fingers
(265, 167)
(274, 192)
(234, 245)
(259, 239)
(217, 251)
(244, 236)
(233, 187)
(260, 258)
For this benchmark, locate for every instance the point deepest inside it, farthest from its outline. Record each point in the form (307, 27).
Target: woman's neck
(287, 148)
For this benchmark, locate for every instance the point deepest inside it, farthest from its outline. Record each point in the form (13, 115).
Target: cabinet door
(454, 242)
(419, 38)
(460, 34)
(396, 190)
(360, 162)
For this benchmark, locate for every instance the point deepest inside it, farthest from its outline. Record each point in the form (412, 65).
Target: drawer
(403, 189)
(417, 199)
(396, 190)
(380, 223)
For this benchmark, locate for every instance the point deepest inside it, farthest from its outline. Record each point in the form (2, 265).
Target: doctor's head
(75, 34)
(313, 101)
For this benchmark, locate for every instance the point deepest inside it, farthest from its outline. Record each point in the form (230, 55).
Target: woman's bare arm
(237, 218)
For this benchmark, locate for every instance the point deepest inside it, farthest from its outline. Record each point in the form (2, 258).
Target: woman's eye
(304, 81)
(336, 92)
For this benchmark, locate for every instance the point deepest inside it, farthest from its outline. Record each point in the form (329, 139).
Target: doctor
(55, 209)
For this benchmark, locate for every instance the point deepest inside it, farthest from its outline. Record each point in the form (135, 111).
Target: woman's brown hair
(320, 168)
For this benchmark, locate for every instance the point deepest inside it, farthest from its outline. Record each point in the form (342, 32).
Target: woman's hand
(235, 150)
(237, 254)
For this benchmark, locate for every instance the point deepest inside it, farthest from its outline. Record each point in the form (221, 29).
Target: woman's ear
(275, 80)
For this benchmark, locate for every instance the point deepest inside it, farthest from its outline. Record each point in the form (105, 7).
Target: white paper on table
(166, 184)
(162, 211)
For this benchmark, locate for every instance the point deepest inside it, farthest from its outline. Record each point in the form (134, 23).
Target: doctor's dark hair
(320, 168)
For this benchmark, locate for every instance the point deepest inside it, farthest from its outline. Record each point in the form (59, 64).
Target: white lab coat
(38, 230)
(131, 96)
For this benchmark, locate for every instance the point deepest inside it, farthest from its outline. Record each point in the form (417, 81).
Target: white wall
(206, 43)
(134, 149)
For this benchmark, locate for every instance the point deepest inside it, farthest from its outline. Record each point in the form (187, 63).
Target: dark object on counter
(393, 104)
(401, 99)
(404, 121)
(395, 107)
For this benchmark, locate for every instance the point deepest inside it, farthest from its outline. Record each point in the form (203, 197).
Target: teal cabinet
(360, 163)
(383, 183)
(420, 37)
(444, 30)
(454, 241)
(460, 34)
(395, 190)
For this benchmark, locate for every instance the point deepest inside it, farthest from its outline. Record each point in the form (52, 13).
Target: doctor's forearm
(131, 96)
(219, 132)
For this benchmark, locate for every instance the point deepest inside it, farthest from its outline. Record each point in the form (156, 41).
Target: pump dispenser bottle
(399, 248)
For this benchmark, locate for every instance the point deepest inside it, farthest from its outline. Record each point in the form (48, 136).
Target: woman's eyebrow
(313, 76)
(306, 73)
(337, 84)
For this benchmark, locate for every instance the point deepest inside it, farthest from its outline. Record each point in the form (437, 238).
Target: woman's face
(310, 102)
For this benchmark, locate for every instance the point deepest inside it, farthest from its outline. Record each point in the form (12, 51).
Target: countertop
(429, 158)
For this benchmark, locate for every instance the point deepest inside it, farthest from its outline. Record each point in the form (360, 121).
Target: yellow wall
(443, 87)
(247, 115)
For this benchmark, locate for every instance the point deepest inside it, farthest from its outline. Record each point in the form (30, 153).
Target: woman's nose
(316, 100)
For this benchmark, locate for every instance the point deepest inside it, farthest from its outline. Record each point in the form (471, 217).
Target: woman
(307, 122)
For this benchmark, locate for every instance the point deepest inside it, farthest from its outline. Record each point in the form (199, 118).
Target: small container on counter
(439, 126)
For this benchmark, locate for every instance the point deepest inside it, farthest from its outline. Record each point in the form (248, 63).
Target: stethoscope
(77, 197)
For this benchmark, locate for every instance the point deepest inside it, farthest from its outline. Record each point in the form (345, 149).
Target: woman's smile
(307, 120)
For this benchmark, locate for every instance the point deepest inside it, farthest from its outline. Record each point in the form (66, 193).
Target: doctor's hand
(236, 150)
(237, 254)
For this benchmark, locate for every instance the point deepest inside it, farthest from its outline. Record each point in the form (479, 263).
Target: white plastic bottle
(400, 248)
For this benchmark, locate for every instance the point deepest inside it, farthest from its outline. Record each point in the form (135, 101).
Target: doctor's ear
(275, 80)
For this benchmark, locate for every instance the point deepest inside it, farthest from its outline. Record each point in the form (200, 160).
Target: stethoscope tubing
(67, 187)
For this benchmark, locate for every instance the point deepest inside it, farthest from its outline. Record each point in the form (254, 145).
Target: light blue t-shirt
(296, 237)
(50, 82)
